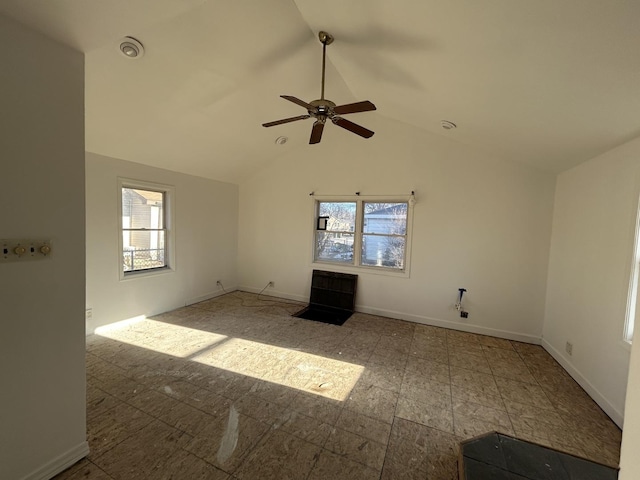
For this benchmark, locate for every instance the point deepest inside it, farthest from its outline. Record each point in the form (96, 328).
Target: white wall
(42, 404)
(206, 218)
(589, 269)
(480, 224)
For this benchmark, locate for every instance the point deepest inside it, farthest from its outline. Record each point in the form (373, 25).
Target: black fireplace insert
(332, 299)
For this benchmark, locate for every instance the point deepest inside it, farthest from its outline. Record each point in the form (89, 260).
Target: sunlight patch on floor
(283, 366)
(162, 337)
(292, 368)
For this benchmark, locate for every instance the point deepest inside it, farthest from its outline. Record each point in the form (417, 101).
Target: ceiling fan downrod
(325, 39)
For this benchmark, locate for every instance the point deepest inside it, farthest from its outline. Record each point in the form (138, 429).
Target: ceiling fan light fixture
(131, 48)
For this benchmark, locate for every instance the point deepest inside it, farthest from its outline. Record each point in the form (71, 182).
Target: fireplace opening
(332, 299)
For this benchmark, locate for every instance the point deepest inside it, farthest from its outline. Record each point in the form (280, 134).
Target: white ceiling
(546, 82)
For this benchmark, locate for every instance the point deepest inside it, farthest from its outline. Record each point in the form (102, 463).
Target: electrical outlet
(464, 314)
(271, 284)
(569, 348)
(88, 314)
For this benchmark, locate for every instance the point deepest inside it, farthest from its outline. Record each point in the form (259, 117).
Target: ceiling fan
(324, 109)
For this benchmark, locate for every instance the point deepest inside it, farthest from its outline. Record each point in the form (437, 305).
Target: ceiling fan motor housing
(323, 107)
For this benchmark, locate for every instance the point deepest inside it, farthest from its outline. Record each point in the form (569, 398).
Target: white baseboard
(60, 463)
(435, 322)
(615, 414)
(209, 296)
(90, 330)
(270, 292)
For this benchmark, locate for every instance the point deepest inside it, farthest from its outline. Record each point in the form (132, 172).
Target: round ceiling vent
(131, 48)
(447, 125)
(282, 140)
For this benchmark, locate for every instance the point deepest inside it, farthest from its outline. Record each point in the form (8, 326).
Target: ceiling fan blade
(365, 106)
(316, 132)
(297, 101)
(352, 127)
(285, 120)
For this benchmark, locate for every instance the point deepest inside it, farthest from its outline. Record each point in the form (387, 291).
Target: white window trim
(633, 298)
(355, 267)
(169, 203)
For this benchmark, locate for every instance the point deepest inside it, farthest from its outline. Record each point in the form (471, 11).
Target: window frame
(356, 264)
(168, 193)
(633, 304)
(633, 296)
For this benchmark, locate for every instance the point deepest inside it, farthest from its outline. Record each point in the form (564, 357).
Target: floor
(236, 388)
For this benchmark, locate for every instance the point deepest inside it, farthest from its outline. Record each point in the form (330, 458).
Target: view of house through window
(143, 229)
(362, 233)
(384, 234)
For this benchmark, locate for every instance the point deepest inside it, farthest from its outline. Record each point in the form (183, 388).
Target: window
(144, 227)
(335, 243)
(362, 233)
(632, 304)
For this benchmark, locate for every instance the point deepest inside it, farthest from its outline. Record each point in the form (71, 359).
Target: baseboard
(615, 414)
(60, 463)
(90, 330)
(436, 322)
(274, 293)
(209, 296)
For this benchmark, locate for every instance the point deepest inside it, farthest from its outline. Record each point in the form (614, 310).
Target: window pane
(143, 250)
(385, 218)
(383, 251)
(142, 208)
(342, 215)
(334, 247)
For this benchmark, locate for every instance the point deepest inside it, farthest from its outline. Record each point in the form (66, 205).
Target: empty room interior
(180, 178)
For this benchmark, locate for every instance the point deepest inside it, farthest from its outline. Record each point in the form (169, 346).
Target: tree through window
(335, 244)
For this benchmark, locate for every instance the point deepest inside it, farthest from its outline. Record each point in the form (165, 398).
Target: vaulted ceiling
(549, 83)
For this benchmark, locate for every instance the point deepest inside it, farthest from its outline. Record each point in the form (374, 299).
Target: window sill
(145, 273)
(346, 268)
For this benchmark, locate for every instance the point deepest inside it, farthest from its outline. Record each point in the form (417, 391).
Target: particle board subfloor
(236, 388)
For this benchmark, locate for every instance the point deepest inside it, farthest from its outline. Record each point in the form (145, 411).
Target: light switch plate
(24, 250)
